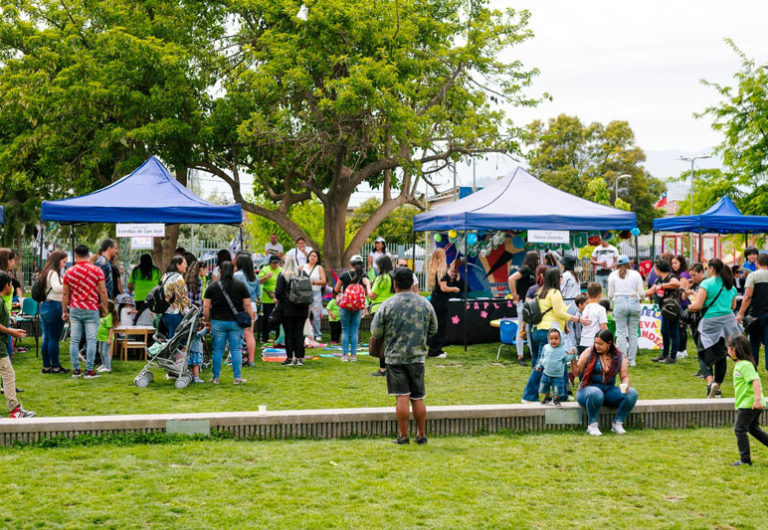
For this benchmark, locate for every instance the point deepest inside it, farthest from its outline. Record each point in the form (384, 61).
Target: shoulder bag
(242, 318)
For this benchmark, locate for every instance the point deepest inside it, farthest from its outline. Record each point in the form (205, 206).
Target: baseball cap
(357, 258)
(623, 260)
(273, 259)
(380, 240)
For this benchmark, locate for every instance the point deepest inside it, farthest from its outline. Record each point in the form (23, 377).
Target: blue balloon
(635, 231)
(471, 239)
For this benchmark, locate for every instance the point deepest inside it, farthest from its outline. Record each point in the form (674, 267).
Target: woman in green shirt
(143, 278)
(378, 292)
(749, 399)
(268, 279)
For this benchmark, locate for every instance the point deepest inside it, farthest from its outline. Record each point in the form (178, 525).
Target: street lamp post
(624, 176)
(693, 159)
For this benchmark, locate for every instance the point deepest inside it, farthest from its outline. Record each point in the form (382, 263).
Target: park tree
(89, 89)
(360, 91)
(575, 157)
(396, 228)
(742, 117)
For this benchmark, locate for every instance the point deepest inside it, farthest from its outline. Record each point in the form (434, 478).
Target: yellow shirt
(559, 312)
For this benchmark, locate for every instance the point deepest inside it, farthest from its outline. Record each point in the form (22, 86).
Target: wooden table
(141, 333)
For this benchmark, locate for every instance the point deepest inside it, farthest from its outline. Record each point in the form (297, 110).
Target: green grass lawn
(645, 479)
(473, 377)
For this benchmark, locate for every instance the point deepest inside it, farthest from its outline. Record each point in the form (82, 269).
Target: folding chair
(30, 312)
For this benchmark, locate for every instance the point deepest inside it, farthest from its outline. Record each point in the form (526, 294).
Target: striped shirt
(82, 280)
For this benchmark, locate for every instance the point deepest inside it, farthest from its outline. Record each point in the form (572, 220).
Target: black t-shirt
(348, 277)
(439, 298)
(524, 283)
(662, 294)
(220, 309)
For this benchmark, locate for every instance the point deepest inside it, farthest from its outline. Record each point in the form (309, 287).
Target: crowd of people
(567, 340)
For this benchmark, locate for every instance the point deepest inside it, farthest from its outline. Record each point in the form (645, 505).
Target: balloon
(452, 233)
(518, 242)
(471, 239)
(635, 231)
(438, 238)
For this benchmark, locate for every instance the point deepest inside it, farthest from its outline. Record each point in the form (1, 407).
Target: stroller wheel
(182, 382)
(149, 375)
(141, 381)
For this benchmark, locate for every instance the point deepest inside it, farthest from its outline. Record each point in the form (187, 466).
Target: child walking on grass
(195, 359)
(749, 397)
(334, 319)
(6, 369)
(552, 362)
(105, 336)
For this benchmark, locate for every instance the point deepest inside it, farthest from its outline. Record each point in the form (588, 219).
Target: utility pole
(624, 176)
(693, 159)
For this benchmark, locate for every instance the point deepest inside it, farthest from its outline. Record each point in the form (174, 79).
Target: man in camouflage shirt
(404, 322)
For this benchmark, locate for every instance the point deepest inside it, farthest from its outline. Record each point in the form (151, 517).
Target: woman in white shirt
(50, 313)
(625, 288)
(316, 274)
(379, 250)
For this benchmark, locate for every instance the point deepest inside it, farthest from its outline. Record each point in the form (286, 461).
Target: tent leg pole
(653, 245)
(72, 237)
(701, 246)
(637, 252)
(466, 287)
(413, 252)
(242, 246)
(746, 242)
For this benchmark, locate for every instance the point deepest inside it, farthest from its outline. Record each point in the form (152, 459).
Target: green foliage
(621, 204)
(308, 215)
(396, 228)
(742, 117)
(709, 186)
(570, 155)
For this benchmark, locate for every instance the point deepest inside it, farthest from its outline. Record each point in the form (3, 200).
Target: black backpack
(300, 289)
(531, 313)
(156, 301)
(39, 293)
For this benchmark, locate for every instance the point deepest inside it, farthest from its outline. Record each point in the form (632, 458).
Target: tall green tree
(742, 117)
(375, 91)
(569, 155)
(397, 227)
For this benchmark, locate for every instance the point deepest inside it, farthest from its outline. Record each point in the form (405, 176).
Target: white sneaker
(593, 430)
(103, 369)
(526, 402)
(682, 354)
(618, 427)
(631, 363)
(343, 358)
(198, 380)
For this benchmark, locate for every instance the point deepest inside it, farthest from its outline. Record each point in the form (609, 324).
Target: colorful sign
(650, 328)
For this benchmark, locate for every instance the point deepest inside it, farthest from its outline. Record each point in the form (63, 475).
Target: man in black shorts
(404, 322)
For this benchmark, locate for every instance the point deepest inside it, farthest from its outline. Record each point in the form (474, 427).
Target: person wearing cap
(379, 250)
(350, 318)
(268, 279)
(404, 322)
(625, 289)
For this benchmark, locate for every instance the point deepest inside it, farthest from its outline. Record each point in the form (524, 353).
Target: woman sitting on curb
(598, 366)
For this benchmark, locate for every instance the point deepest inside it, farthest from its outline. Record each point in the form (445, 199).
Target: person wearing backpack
(175, 291)
(50, 312)
(353, 284)
(294, 301)
(666, 292)
(552, 311)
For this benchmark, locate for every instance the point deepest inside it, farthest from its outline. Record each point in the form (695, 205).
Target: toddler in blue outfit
(552, 362)
(195, 359)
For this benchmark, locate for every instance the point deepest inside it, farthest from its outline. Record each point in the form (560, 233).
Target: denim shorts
(406, 380)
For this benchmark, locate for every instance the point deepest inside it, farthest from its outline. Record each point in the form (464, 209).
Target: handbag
(276, 316)
(376, 347)
(242, 318)
(308, 328)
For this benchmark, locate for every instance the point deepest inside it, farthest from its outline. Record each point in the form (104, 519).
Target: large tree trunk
(335, 219)
(162, 252)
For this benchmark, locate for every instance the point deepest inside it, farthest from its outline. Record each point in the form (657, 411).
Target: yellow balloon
(451, 233)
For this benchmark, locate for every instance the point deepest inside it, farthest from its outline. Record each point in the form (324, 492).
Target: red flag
(662, 201)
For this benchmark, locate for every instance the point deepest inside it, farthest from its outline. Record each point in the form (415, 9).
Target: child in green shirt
(105, 336)
(334, 319)
(749, 397)
(7, 373)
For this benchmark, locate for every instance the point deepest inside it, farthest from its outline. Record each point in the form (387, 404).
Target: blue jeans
(172, 320)
(317, 313)
(226, 332)
(670, 334)
(556, 384)
(538, 340)
(52, 325)
(594, 397)
(79, 320)
(626, 310)
(350, 324)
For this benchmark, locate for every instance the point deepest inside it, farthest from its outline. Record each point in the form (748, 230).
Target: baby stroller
(171, 355)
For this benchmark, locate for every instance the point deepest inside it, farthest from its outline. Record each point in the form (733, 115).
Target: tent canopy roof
(723, 217)
(520, 201)
(148, 195)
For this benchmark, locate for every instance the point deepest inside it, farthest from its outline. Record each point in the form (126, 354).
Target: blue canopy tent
(723, 217)
(149, 194)
(520, 201)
